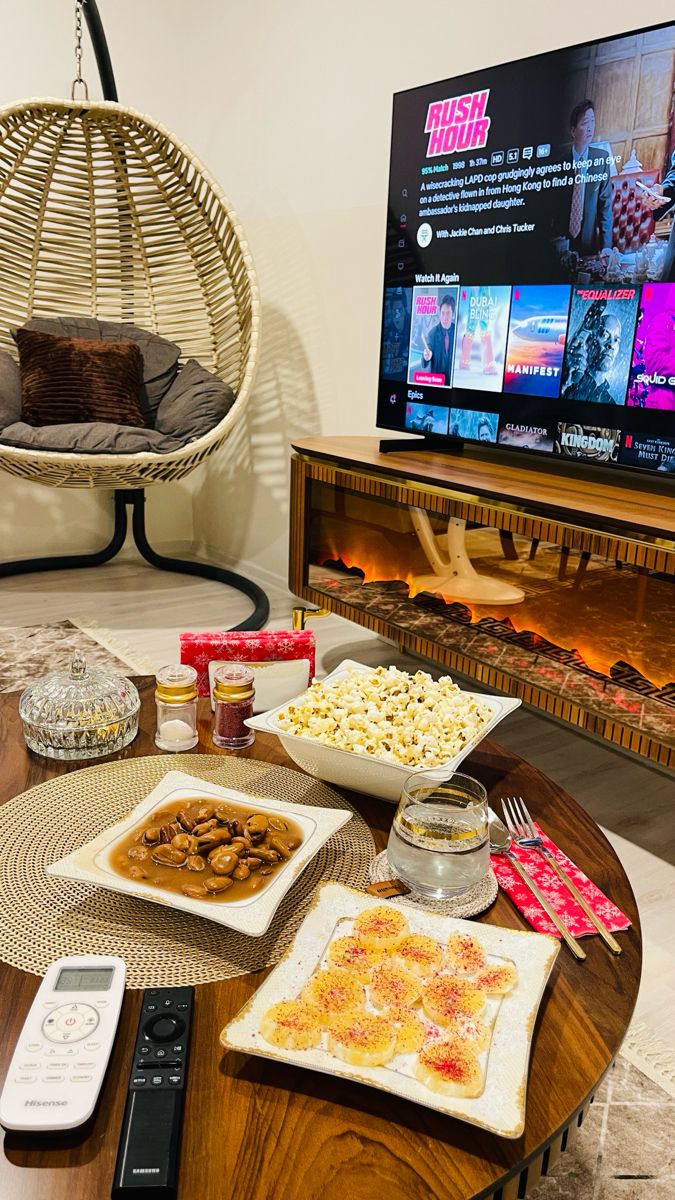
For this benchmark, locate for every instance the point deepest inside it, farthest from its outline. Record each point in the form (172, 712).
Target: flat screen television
(529, 285)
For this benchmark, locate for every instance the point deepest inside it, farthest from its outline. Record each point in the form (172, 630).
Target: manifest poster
(536, 344)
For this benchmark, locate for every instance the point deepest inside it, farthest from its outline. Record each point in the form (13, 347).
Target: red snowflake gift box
(262, 650)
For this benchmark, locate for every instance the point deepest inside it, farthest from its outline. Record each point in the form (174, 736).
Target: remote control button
(70, 1021)
(182, 1005)
(88, 1066)
(101, 1003)
(34, 1047)
(61, 1051)
(174, 1079)
(160, 1053)
(29, 1066)
(152, 992)
(168, 1003)
(157, 1080)
(150, 1008)
(81, 1078)
(164, 1028)
(144, 1050)
(60, 1066)
(50, 1004)
(25, 1078)
(53, 1078)
(91, 1046)
(178, 1049)
(139, 1080)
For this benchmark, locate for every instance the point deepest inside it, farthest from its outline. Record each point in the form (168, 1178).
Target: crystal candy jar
(83, 713)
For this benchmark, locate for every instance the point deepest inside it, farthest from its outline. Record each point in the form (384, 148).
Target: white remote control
(59, 1062)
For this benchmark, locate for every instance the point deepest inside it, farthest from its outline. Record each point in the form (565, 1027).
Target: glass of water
(439, 842)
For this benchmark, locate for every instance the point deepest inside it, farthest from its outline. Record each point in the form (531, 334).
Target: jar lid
(176, 684)
(233, 682)
(81, 698)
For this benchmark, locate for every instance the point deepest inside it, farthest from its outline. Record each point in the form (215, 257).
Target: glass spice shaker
(176, 698)
(233, 692)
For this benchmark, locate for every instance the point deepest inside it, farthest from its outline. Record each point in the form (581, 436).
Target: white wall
(289, 106)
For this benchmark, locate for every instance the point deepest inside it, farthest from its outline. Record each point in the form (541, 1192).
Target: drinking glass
(439, 841)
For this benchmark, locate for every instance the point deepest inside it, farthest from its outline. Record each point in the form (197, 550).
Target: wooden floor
(145, 610)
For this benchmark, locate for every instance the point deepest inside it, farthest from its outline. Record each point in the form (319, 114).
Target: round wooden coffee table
(257, 1130)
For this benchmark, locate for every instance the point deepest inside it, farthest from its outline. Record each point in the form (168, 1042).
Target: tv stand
(381, 539)
(439, 445)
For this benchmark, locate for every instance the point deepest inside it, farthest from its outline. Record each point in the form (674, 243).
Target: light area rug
(29, 652)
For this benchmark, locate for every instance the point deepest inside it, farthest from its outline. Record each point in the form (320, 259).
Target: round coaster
(43, 917)
(469, 904)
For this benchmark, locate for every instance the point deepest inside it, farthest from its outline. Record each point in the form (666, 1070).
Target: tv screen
(529, 287)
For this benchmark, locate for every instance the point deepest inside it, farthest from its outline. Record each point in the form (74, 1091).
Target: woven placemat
(469, 904)
(43, 917)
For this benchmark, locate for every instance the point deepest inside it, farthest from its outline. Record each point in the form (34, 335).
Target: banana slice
(381, 927)
(445, 998)
(410, 1031)
(472, 1031)
(333, 992)
(292, 1025)
(393, 987)
(450, 1067)
(419, 954)
(362, 1039)
(352, 955)
(465, 954)
(497, 979)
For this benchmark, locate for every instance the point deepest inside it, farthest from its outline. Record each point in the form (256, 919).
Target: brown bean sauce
(208, 850)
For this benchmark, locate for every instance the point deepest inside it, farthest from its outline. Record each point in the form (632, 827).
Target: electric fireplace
(574, 615)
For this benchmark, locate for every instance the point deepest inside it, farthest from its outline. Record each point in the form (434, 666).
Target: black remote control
(147, 1158)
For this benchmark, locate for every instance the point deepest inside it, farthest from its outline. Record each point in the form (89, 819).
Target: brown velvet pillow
(72, 380)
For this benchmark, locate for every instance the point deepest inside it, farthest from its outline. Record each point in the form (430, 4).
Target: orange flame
(359, 550)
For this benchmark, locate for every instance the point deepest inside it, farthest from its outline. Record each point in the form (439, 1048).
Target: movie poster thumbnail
(536, 343)
(649, 451)
(432, 336)
(588, 443)
(652, 377)
(524, 435)
(599, 346)
(424, 418)
(396, 332)
(482, 326)
(479, 426)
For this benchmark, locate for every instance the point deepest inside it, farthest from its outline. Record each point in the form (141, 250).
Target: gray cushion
(194, 404)
(97, 437)
(10, 389)
(196, 401)
(160, 356)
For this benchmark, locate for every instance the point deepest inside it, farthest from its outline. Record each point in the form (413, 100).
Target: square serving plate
(251, 915)
(364, 772)
(501, 1106)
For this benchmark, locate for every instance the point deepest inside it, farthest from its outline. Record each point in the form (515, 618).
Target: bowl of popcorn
(369, 728)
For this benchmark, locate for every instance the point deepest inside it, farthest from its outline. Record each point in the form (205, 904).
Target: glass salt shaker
(233, 692)
(176, 698)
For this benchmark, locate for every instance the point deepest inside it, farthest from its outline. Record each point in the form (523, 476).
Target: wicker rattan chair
(104, 213)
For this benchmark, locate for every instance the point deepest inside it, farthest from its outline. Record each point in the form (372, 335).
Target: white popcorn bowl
(364, 772)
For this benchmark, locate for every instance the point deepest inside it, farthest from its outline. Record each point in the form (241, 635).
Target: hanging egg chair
(106, 214)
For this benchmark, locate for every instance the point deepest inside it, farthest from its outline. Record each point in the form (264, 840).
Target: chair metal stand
(163, 562)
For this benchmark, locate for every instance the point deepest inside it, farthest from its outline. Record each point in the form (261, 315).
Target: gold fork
(521, 826)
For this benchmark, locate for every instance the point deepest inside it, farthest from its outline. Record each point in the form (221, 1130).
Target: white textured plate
(501, 1107)
(251, 915)
(364, 772)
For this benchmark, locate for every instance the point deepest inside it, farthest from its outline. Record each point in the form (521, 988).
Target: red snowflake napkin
(555, 891)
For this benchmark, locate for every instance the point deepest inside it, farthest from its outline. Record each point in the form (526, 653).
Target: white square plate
(501, 1106)
(253, 914)
(364, 772)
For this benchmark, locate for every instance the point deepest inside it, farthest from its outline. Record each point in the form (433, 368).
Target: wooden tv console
(623, 523)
